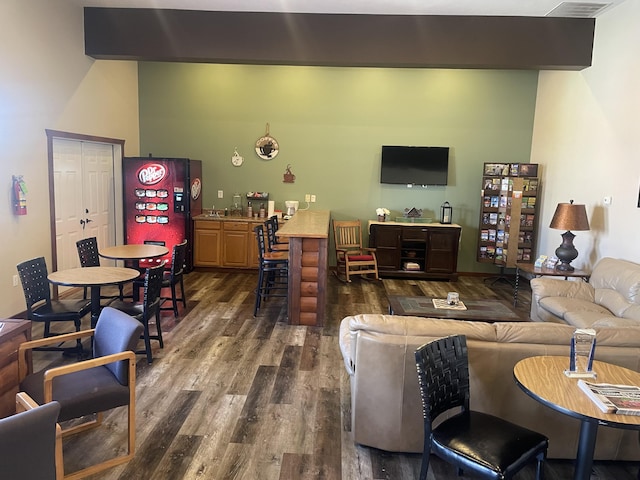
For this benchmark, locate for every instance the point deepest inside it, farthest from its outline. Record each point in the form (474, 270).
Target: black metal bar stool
(273, 245)
(273, 271)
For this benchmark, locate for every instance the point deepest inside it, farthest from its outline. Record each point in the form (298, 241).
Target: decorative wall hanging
(236, 158)
(288, 176)
(267, 147)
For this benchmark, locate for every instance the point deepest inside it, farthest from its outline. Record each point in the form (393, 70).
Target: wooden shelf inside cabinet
(508, 214)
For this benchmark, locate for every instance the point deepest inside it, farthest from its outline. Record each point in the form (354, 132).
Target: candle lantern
(445, 213)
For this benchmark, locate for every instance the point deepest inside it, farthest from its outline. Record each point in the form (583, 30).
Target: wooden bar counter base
(308, 234)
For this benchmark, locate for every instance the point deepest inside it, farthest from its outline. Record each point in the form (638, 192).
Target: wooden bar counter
(308, 234)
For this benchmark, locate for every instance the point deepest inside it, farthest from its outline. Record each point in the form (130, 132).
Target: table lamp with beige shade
(568, 216)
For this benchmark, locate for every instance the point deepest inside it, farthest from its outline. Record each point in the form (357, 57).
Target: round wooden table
(132, 254)
(93, 277)
(133, 251)
(543, 379)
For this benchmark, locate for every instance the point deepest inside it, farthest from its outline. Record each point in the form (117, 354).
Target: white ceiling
(528, 8)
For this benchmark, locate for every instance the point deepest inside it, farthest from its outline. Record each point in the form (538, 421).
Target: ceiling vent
(578, 9)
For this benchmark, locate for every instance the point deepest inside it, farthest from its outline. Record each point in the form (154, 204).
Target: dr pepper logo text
(151, 173)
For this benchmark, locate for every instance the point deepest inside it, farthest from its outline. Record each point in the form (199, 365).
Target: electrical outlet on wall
(220, 194)
(307, 197)
(15, 280)
(313, 199)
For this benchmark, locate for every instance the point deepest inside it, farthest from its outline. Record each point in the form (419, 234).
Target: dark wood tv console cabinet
(416, 250)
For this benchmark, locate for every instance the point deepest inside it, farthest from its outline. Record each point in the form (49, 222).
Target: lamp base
(564, 267)
(566, 253)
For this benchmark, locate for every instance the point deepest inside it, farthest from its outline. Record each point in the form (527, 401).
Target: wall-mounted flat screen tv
(410, 165)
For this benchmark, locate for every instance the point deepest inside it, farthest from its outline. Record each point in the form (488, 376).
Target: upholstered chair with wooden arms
(91, 387)
(30, 443)
(352, 258)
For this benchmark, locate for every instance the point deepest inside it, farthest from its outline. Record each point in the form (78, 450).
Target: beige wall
(586, 135)
(48, 83)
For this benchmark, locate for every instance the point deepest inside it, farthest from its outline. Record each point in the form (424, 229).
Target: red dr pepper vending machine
(161, 195)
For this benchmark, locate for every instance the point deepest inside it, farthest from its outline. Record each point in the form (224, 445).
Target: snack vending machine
(161, 195)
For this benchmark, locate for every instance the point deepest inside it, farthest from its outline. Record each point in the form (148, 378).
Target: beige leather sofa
(610, 298)
(386, 412)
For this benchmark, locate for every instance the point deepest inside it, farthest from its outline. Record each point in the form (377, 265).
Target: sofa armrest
(347, 345)
(552, 287)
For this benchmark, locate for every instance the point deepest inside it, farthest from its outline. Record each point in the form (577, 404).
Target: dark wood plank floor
(237, 397)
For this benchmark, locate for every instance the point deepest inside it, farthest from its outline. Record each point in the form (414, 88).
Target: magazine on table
(610, 398)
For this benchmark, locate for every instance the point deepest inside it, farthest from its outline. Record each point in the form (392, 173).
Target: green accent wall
(330, 124)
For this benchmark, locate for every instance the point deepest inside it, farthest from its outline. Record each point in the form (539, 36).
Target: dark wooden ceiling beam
(542, 43)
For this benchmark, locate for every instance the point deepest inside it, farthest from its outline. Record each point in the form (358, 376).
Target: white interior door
(84, 196)
(98, 192)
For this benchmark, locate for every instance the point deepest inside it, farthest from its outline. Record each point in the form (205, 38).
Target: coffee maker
(292, 207)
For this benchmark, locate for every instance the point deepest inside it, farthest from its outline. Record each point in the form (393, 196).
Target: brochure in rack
(619, 399)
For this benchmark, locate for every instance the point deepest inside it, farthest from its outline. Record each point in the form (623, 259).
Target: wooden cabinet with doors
(415, 250)
(235, 244)
(207, 244)
(225, 242)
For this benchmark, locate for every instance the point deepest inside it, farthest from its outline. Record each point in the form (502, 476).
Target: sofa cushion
(632, 313)
(553, 287)
(543, 316)
(619, 275)
(612, 300)
(534, 333)
(583, 319)
(559, 306)
(615, 322)
(418, 326)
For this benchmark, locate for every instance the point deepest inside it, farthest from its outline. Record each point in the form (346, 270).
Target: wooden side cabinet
(442, 251)
(416, 250)
(13, 333)
(386, 240)
(229, 243)
(235, 244)
(207, 243)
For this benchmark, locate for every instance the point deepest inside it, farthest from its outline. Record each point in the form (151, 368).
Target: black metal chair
(41, 308)
(89, 257)
(172, 278)
(273, 245)
(91, 387)
(273, 272)
(483, 444)
(30, 445)
(148, 309)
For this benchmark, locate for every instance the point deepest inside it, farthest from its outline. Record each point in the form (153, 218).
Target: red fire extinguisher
(19, 195)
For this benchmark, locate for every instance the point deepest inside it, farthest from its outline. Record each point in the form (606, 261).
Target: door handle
(83, 223)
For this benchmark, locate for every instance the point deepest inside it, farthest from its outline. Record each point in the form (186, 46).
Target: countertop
(416, 224)
(222, 218)
(307, 224)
